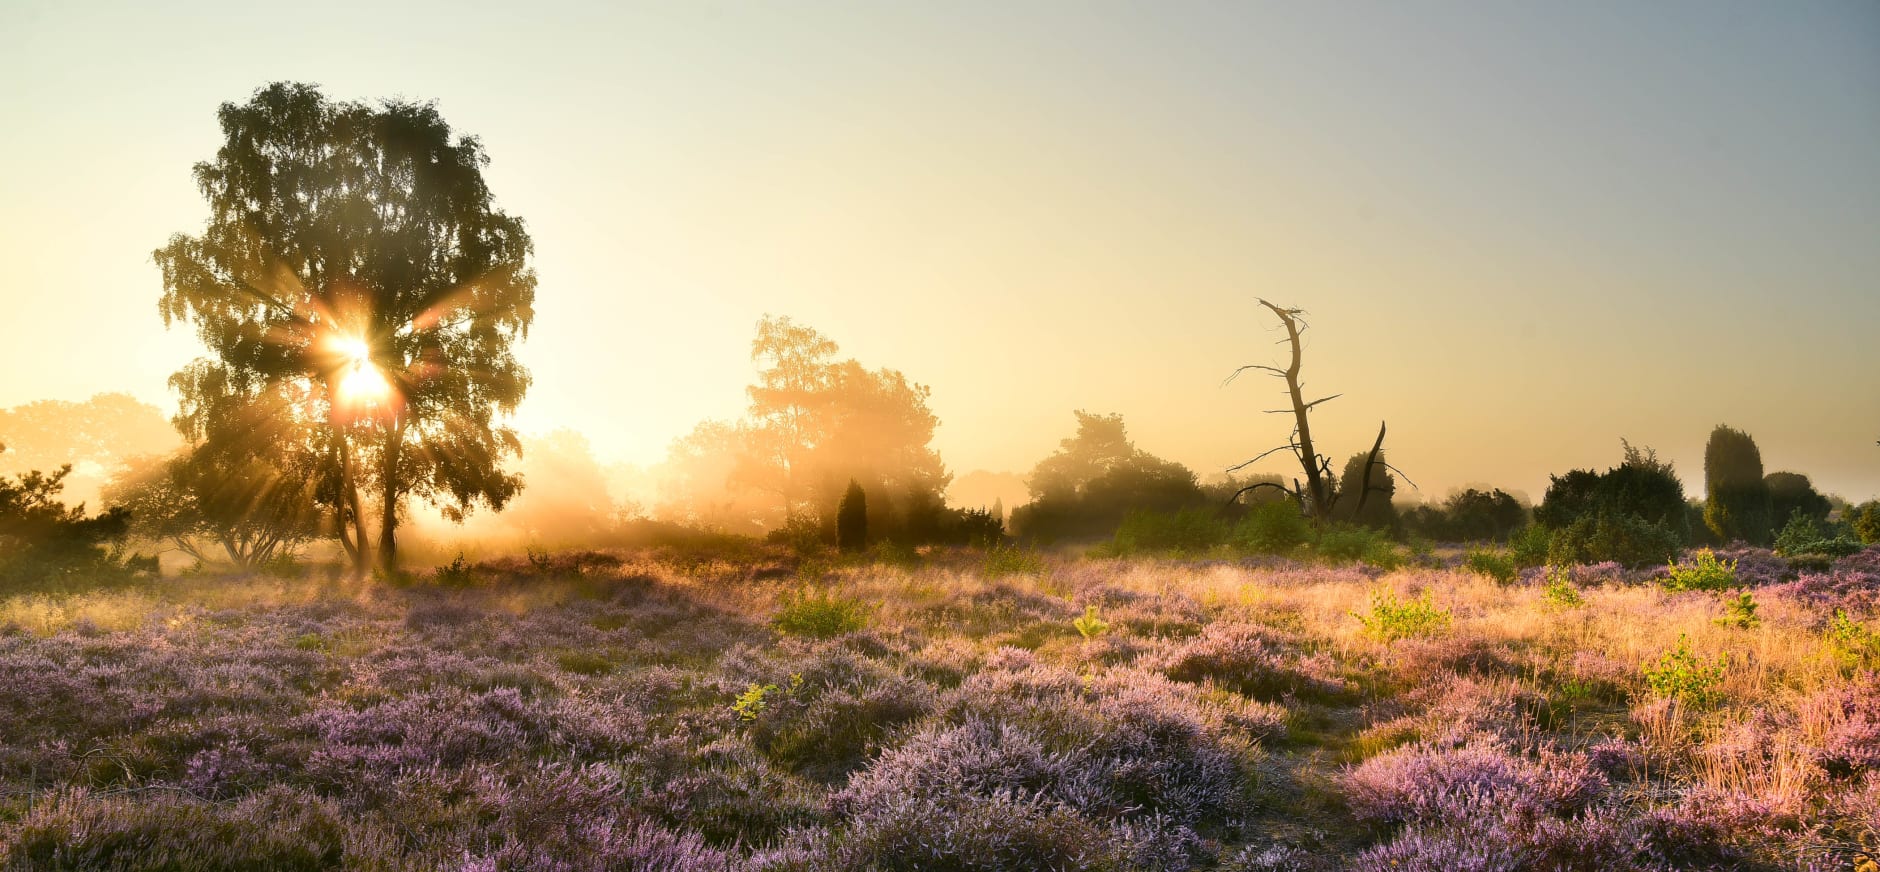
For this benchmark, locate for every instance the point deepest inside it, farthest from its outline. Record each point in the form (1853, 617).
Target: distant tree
(1376, 510)
(815, 423)
(1792, 492)
(1477, 516)
(852, 519)
(1737, 503)
(1318, 494)
(1095, 479)
(354, 256)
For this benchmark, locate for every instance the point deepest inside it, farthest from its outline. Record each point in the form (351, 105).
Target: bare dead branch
(1256, 486)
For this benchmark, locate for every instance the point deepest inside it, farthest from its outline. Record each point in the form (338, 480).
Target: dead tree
(1319, 492)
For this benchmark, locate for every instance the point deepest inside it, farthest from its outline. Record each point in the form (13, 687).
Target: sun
(361, 390)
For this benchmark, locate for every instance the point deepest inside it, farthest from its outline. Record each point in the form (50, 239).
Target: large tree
(354, 258)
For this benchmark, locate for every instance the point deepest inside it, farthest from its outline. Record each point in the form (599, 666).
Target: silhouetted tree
(1318, 494)
(1375, 511)
(253, 507)
(354, 255)
(1737, 504)
(852, 519)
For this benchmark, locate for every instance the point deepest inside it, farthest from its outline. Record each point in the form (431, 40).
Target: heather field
(956, 710)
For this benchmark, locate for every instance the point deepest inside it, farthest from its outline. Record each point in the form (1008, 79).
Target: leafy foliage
(1613, 536)
(1493, 563)
(819, 613)
(1681, 675)
(1391, 618)
(1704, 571)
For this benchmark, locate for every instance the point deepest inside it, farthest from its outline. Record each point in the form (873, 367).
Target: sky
(1521, 231)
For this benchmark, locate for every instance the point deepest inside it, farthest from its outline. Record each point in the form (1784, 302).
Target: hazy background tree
(1095, 479)
(1470, 515)
(355, 250)
(95, 436)
(814, 424)
(1737, 501)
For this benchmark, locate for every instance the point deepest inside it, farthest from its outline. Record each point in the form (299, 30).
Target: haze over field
(1521, 232)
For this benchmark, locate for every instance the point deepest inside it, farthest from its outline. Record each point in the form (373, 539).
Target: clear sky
(1521, 230)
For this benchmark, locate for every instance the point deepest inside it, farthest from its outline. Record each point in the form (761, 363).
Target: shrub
(820, 614)
(1492, 563)
(1559, 589)
(279, 829)
(1740, 612)
(1705, 571)
(1529, 546)
(1864, 520)
(1091, 625)
(1433, 783)
(1680, 675)
(1803, 536)
(1642, 487)
(44, 544)
(1622, 538)
(802, 534)
(1272, 528)
(1342, 544)
(1851, 639)
(457, 573)
(1185, 532)
(1246, 658)
(1391, 618)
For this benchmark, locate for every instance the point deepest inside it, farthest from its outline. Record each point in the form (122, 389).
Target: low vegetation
(623, 711)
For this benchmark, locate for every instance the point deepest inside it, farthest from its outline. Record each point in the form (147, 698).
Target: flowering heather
(619, 712)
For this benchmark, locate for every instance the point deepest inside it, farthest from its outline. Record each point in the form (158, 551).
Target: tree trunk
(388, 517)
(358, 546)
(1318, 491)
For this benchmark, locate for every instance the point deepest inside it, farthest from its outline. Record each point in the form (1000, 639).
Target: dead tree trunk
(1319, 492)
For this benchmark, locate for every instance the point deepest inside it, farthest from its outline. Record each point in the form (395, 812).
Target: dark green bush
(1622, 538)
(1272, 528)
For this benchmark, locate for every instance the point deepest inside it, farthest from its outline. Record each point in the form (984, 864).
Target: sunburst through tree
(355, 275)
